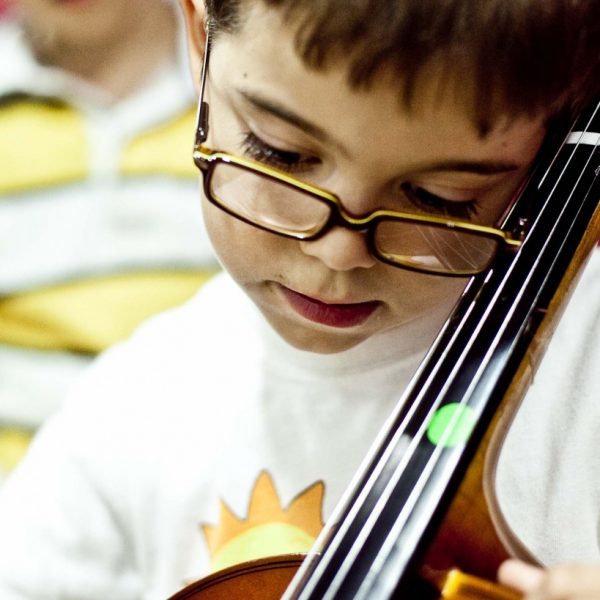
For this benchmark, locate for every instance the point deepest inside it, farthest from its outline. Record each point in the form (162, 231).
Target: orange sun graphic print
(269, 529)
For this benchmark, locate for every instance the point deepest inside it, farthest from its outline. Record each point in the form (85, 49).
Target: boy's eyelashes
(292, 162)
(425, 201)
(296, 163)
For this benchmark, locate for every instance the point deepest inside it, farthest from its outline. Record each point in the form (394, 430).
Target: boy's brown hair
(521, 55)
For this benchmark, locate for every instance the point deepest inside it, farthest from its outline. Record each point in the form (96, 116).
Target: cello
(420, 519)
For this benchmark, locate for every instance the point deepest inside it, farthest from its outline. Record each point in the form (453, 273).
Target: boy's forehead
(266, 43)
(508, 47)
(267, 67)
(263, 52)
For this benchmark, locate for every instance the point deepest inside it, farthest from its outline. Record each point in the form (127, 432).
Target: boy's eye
(425, 201)
(291, 162)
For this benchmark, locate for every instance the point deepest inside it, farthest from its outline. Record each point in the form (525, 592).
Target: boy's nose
(341, 249)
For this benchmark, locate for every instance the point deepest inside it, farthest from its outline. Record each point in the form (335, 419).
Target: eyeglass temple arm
(202, 114)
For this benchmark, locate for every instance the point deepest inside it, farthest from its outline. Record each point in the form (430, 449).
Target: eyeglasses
(274, 201)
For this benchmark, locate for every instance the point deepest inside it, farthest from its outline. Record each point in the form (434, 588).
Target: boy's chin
(316, 338)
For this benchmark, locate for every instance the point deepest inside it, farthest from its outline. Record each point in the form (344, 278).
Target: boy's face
(362, 145)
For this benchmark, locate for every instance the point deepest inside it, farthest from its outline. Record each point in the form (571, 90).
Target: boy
(98, 196)
(228, 429)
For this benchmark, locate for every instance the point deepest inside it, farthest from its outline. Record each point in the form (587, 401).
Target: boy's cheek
(225, 231)
(242, 249)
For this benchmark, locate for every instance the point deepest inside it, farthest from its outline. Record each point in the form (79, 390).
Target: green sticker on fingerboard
(451, 425)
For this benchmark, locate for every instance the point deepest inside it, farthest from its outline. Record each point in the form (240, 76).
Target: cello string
(419, 436)
(576, 138)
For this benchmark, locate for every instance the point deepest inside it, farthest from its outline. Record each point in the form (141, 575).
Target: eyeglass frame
(206, 159)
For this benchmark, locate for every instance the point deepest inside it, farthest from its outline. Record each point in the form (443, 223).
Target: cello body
(262, 579)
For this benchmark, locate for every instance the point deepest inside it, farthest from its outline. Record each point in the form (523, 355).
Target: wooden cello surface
(262, 579)
(420, 517)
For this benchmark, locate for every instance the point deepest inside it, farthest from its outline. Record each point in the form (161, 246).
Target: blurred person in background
(100, 225)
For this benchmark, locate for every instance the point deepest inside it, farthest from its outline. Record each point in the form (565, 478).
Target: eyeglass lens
(290, 211)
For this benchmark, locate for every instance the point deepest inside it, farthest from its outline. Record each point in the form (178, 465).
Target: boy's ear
(194, 14)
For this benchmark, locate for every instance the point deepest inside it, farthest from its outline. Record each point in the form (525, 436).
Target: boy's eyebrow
(287, 115)
(478, 167)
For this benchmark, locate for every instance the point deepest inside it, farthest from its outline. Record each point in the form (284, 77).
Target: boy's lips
(334, 315)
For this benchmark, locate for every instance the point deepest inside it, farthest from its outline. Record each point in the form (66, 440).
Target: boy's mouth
(334, 315)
